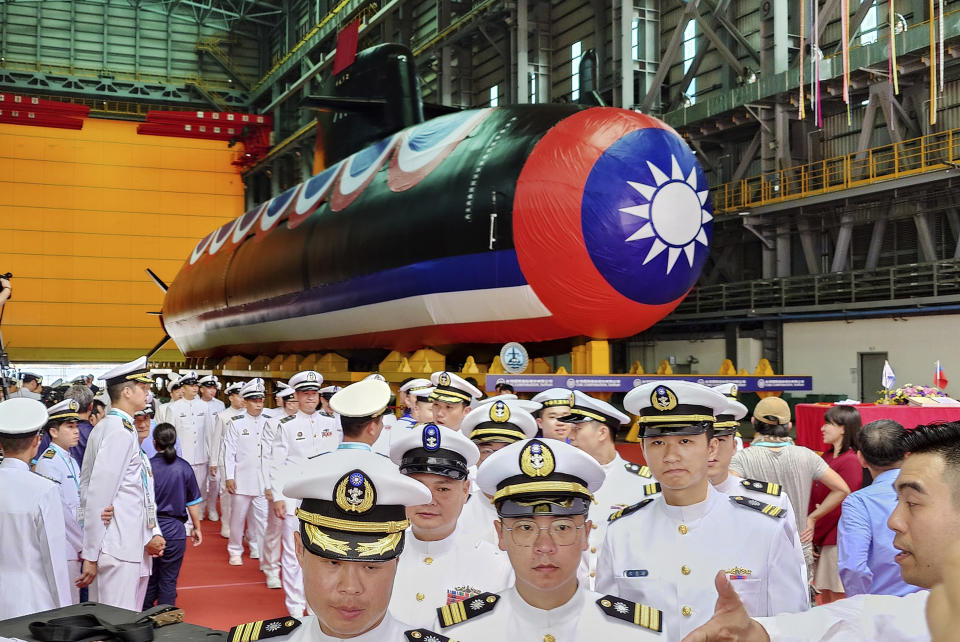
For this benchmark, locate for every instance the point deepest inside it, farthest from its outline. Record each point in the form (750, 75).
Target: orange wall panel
(82, 214)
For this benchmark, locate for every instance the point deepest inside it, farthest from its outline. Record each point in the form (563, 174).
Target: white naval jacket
(733, 486)
(215, 440)
(625, 483)
(295, 439)
(58, 464)
(431, 574)
(862, 618)
(581, 619)
(193, 422)
(33, 568)
(667, 557)
(389, 630)
(116, 473)
(242, 452)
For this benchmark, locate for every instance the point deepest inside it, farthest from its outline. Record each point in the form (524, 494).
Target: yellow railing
(906, 158)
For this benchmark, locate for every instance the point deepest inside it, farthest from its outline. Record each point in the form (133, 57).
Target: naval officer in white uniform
(215, 448)
(33, 567)
(593, 428)
(351, 530)
(492, 425)
(243, 471)
(295, 438)
(542, 489)
(444, 564)
(718, 470)
(692, 531)
(452, 396)
(117, 473)
(58, 464)
(191, 417)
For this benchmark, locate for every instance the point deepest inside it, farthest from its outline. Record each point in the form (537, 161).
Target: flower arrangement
(900, 396)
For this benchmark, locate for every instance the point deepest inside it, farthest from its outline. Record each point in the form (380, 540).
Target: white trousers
(292, 577)
(256, 522)
(121, 584)
(73, 572)
(202, 472)
(226, 499)
(272, 544)
(211, 490)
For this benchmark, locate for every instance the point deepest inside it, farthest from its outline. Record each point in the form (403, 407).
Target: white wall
(828, 350)
(709, 352)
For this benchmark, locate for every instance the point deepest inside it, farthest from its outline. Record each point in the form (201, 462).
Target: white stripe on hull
(471, 306)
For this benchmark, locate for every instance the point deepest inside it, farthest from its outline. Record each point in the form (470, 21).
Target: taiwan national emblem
(537, 460)
(355, 493)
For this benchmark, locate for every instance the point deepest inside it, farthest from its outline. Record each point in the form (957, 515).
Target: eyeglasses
(525, 532)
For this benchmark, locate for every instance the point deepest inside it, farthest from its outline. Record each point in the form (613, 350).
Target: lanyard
(770, 444)
(144, 463)
(69, 462)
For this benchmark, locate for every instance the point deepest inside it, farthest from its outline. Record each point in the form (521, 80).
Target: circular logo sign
(514, 358)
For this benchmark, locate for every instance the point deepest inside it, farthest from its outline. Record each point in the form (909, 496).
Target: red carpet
(214, 594)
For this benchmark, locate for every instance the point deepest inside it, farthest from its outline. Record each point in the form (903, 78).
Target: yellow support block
(470, 366)
(727, 368)
(578, 358)
(427, 360)
(562, 371)
(636, 368)
(496, 366)
(598, 357)
(538, 366)
(331, 362)
(664, 368)
(393, 362)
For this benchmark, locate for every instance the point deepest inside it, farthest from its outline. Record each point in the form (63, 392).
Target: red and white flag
(939, 378)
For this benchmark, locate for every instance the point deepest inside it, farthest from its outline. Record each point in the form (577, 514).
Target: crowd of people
(479, 518)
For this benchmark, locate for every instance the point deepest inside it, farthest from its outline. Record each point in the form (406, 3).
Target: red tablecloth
(809, 418)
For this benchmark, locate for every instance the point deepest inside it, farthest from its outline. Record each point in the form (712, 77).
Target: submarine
(512, 223)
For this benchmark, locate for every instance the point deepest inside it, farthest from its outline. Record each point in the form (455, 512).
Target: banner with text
(625, 383)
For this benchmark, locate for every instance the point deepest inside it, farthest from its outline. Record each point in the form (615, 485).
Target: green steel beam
(191, 93)
(327, 27)
(915, 40)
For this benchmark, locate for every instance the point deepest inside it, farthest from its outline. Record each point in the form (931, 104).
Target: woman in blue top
(177, 493)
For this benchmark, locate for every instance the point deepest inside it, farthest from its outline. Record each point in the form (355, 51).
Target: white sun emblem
(674, 212)
(273, 626)
(621, 607)
(476, 605)
(431, 638)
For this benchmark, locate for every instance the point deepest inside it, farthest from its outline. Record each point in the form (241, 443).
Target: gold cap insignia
(311, 376)
(663, 399)
(443, 379)
(536, 460)
(74, 406)
(499, 412)
(355, 493)
(733, 390)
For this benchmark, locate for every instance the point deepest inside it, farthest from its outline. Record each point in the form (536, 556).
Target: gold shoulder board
(639, 614)
(767, 509)
(469, 608)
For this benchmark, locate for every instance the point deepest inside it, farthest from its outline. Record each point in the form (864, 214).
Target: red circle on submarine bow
(547, 226)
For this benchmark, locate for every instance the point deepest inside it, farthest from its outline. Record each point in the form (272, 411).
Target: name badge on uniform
(638, 572)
